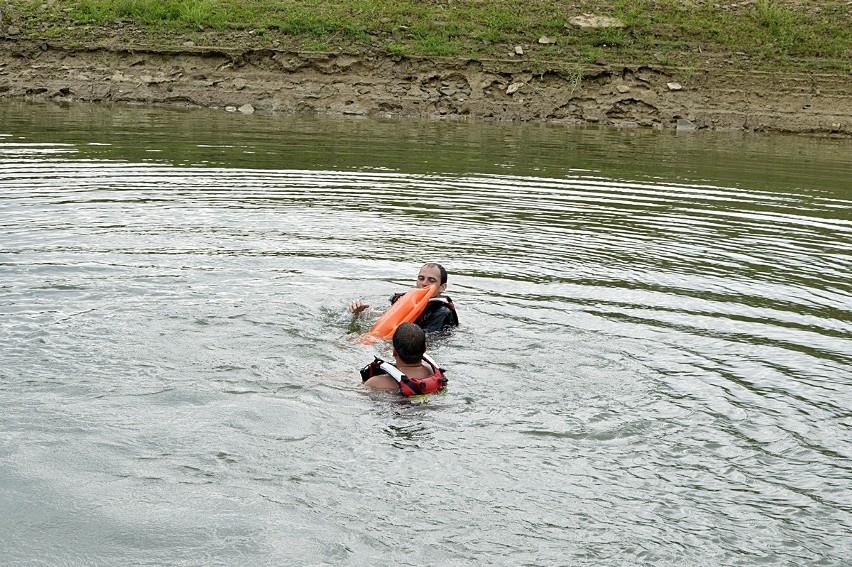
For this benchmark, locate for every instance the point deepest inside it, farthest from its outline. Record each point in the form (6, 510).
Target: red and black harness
(408, 386)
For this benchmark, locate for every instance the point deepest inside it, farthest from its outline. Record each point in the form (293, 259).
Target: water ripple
(651, 369)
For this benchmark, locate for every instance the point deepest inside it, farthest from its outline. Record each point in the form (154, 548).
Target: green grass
(768, 32)
(178, 14)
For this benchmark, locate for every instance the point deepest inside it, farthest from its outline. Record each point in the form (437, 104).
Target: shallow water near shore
(652, 367)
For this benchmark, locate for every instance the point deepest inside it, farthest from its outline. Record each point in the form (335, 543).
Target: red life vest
(408, 386)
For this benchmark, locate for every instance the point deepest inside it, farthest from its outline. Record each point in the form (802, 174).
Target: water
(653, 366)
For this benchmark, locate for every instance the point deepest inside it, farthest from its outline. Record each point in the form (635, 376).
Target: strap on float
(379, 367)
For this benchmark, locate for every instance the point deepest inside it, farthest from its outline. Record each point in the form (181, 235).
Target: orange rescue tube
(405, 310)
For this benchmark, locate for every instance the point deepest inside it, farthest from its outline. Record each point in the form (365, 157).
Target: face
(431, 276)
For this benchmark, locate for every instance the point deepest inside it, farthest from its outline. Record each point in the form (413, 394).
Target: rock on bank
(368, 84)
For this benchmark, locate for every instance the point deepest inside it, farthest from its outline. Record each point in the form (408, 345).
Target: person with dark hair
(440, 313)
(413, 372)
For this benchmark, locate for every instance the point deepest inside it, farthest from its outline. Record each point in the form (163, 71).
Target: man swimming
(440, 313)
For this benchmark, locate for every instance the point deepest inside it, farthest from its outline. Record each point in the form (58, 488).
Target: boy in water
(413, 372)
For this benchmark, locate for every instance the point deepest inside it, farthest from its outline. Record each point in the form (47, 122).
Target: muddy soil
(719, 97)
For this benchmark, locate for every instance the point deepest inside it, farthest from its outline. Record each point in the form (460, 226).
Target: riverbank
(248, 71)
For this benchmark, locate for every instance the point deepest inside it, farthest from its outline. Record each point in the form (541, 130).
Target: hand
(356, 307)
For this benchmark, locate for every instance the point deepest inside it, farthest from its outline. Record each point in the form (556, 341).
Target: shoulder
(442, 309)
(382, 382)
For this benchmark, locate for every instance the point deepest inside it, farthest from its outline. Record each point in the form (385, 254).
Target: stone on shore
(591, 21)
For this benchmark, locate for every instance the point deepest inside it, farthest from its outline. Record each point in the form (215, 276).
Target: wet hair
(409, 340)
(440, 269)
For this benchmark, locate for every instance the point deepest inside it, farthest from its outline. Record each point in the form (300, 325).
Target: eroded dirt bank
(519, 90)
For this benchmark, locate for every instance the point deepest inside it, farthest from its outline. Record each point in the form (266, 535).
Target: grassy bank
(762, 34)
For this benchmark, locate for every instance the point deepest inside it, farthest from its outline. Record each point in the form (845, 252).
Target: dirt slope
(720, 96)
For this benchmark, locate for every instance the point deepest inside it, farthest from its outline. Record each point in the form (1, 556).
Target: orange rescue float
(404, 310)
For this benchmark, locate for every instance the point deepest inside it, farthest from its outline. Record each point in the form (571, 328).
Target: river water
(652, 367)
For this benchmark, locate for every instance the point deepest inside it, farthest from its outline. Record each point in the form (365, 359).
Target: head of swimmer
(433, 274)
(409, 343)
